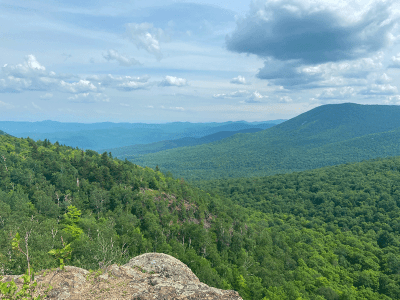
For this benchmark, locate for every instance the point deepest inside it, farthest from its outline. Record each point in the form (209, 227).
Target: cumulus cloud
(146, 36)
(313, 31)
(285, 99)
(293, 73)
(382, 79)
(395, 61)
(336, 93)
(255, 97)
(173, 81)
(239, 80)
(121, 59)
(29, 68)
(89, 98)
(380, 89)
(249, 97)
(81, 86)
(287, 73)
(392, 100)
(32, 76)
(236, 94)
(123, 83)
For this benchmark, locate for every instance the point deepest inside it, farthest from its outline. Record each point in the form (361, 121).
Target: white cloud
(392, 100)
(32, 76)
(255, 97)
(380, 89)
(29, 68)
(123, 60)
(336, 93)
(285, 99)
(122, 83)
(82, 86)
(47, 96)
(240, 93)
(395, 61)
(249, 97)
(89, 98)
(173, 81)
(384, 78)
(239, 80)
(146, 36)
(178, 108)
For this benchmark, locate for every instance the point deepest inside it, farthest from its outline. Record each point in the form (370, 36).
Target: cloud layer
(313, 31)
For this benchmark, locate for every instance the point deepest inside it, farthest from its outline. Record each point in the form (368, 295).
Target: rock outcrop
(147, 276)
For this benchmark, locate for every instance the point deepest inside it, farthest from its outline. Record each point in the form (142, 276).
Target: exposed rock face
(147, 276)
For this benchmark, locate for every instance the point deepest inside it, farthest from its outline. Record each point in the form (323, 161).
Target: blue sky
(196, 61)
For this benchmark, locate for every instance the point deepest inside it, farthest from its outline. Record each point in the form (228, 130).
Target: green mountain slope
(331, 233)
(326, 135)
(129, 152)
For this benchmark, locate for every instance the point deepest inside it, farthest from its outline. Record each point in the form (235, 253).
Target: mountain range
(108, 135)
(324, 136)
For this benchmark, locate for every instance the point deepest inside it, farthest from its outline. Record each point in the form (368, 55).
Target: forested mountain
(330, 233)
(137, 150)
(324, 136)
(111, 135)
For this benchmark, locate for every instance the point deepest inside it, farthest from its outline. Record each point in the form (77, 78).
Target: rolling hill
(129, 152)
(324, 136)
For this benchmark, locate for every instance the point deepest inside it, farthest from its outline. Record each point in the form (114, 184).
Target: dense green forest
(330, 233)
(324, 136)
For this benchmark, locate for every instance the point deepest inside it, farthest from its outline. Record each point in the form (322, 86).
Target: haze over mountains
(327, 135)
(140, 149)
(108, 135)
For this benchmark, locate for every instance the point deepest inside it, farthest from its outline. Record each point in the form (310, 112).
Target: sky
(194, 61)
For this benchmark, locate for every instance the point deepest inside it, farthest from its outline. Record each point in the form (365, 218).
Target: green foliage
(61, 254)
(324, 136)
(330, 233)
(9, 290)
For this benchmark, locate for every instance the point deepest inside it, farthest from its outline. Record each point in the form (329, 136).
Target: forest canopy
(329, 233)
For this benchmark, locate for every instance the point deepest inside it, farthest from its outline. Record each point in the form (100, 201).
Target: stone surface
(147, 276)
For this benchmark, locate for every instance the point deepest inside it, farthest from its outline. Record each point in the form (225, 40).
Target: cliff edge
(147, 276)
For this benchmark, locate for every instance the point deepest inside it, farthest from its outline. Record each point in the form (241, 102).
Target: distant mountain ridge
(327, 135)
(108, 135)
(141, 149)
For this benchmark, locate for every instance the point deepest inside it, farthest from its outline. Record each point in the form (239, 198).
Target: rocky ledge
(147, 276)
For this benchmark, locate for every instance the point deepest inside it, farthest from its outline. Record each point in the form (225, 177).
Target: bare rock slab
(144, 277)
